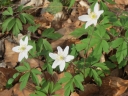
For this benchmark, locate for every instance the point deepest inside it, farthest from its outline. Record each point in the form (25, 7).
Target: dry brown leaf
(10, 57)
(124, 2)
(116, 73)
(126, 69)
(89, 90)
(32, 2)
(5, 74)
(34, 63)
(74, 94)
(25, 92)
(6, 93)
(102, 58)
(49, 17)
(1, 48)
(62, 41)
(113, 86)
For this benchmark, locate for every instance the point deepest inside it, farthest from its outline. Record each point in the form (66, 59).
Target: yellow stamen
(92, 15)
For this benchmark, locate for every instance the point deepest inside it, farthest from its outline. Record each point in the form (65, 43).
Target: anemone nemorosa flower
(92, 17)
(61, 57)
(22, 49)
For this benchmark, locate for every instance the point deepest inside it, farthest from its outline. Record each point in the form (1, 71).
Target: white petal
(29, 47)
(26, 40)
(66, 51)
(60, 50)
(21, 56)
(84, 18)
(16, 49)
(53, 55)
(62, 66)
(69, 58)
(21, 42)
(96, 8)
(89, 10)
(99, 13)
(95, 22)
(88, 24)
(55, 64)
(26, 55)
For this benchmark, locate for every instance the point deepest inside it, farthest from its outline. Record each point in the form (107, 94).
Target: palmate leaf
(11, 24)
(24, 80)
(15, 30)
(121, 52)
(9, 11)
(47, 45)
(101, 46)
(50, 33)
(101, 65)
(78, 79)
(78, 32)
(5, 24)
(96, 77)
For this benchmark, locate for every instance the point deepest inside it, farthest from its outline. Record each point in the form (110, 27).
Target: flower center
(60, 57)
(93, 15)
(22, 48)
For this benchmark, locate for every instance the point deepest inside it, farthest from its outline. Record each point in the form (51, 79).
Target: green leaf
(101, 65)
(78, 82)
(121, 52)
(105, 46)
(49, 33)
(66, 78)
(56, 87)
(29, 18)
(21, 68)
(24, 80)
(22, 18)
(19, 24)
(122, 64)
(6, 13)
(15, 30)
(39, 45)
(117, 42)
(39, 93)
(33, 50)
(27, 65)
(96, 77)
(5, 24)
(9, 11)
(49, 68)
(103, 6)
(10, 81)
(11, 24)
(47, 45)
(36, 71)
(71, 3)
(33, 28)
(78, 32)
(68, 88)
(34, 78)
(86, 72)
(16, 75)
(110, 65)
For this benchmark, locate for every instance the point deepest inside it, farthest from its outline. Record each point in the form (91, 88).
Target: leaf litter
(63, 22)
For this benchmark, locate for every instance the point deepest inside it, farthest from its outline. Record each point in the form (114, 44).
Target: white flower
(61, 57)
(92, 17)
(22, 49)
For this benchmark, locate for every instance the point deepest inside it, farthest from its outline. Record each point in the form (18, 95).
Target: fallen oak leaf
(12, 62)
(5, 75)
(113, 86)
(89, 90)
